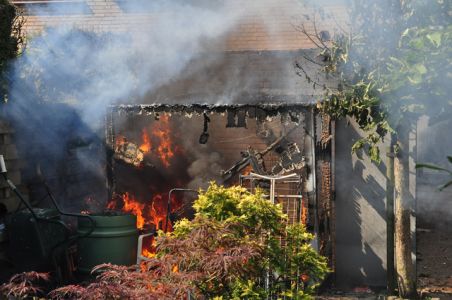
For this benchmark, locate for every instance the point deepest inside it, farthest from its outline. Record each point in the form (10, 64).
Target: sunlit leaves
(434, 38)
(250, 218)
(393, 67)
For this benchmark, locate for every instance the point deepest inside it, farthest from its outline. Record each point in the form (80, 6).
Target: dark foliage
(11, 39)
(24, 285)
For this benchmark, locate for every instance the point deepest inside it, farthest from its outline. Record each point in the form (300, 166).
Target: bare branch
(305, 32)
(317, 34)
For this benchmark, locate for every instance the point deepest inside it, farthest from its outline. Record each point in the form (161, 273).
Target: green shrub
(284, 250)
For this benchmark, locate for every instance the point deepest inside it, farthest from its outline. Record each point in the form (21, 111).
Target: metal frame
(290, 178)
(273, 179)
(140, 256)
(168, 205)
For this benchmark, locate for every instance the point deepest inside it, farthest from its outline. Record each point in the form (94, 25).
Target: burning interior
(159, 156)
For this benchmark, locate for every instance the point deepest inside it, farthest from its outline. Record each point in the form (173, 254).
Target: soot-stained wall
(360, 214)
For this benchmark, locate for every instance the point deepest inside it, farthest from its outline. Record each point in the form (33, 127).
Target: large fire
(157, 143)
(156, 148)
(134, 207)
(153, 213)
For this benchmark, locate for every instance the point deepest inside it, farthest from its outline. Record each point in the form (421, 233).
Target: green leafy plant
(388, 67)
(284, 250)
(12, 41)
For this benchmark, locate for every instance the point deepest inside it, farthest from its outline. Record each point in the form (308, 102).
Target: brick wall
(263, 25)
(239, 77)
(272, 25)
(13, 164)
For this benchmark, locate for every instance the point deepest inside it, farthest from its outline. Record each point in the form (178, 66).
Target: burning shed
(221, 102)
(155, 149)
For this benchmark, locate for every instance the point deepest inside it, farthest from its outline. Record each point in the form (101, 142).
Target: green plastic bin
(113, 240)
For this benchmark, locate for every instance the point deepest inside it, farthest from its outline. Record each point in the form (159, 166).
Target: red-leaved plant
(24, 285)
(209, 257)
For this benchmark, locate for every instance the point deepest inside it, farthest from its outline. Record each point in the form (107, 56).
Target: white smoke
(93, 71)
(80, 73)
(62, 85)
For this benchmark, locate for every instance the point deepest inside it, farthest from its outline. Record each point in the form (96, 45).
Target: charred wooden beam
(292, 110)
(325, 191)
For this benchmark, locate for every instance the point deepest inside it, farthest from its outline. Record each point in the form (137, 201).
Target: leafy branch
(389, 68)
(440, 169)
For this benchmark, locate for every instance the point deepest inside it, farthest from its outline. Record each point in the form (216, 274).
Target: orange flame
(158, 144)
(146, 146)
(158, 212)
(153, 212)
(134, 207)
(157, 141)
(164, 150)
(148, 253)
(149, 247)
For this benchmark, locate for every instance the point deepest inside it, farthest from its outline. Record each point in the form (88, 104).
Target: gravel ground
(434, 261)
